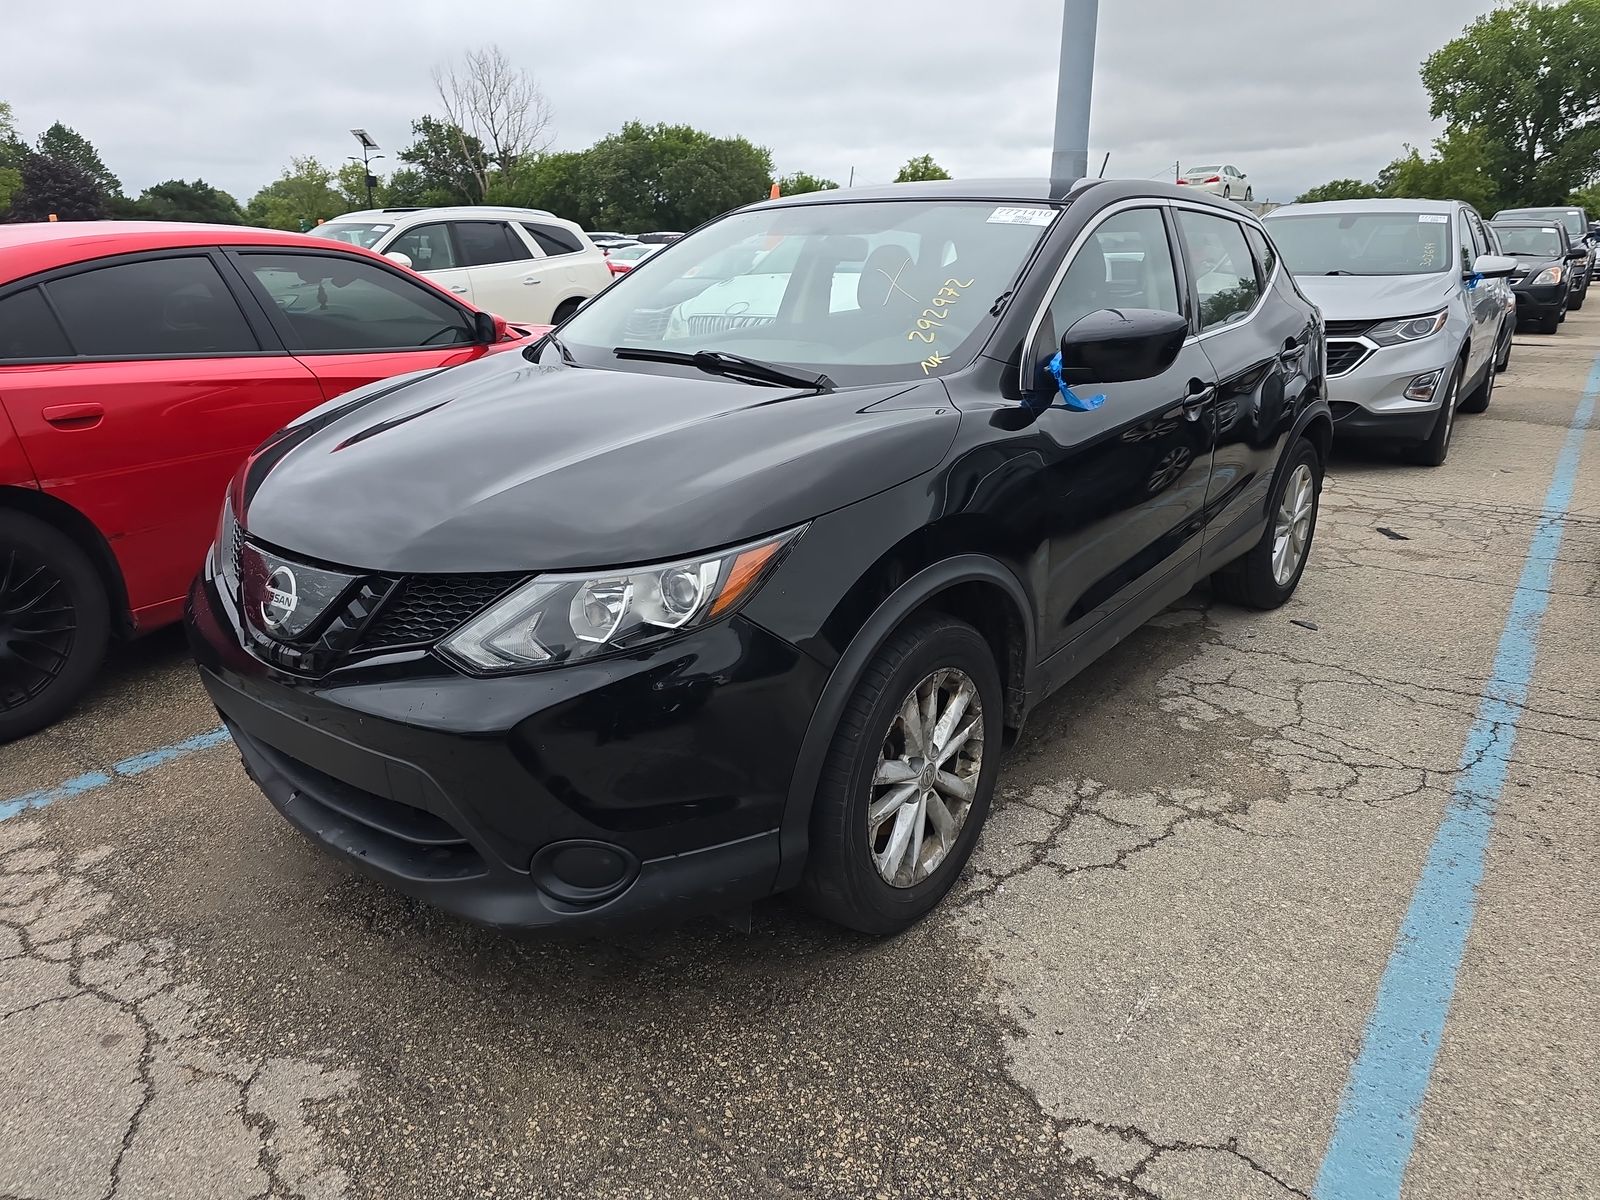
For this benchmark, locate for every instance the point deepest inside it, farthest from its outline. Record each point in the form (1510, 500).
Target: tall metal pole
(1069, 160)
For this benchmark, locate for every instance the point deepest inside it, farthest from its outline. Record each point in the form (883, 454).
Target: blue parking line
(138, 764)
(1376, 1126)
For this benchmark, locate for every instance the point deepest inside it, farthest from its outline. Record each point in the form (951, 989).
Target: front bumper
(1370, 401)
(1545, 300)
(628, 790)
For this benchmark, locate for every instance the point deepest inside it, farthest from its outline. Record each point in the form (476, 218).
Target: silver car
(1417, 311)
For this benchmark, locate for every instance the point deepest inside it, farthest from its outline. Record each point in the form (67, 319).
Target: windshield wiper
(734, 366)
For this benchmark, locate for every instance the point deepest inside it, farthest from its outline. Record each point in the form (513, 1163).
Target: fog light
(583, 872)
(1421, 388)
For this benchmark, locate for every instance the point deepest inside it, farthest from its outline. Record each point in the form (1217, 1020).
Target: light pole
(367, 147)
(1069, 160)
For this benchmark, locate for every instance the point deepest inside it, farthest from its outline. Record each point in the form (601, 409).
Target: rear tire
(564, 310)
(1259, 579)
(1435, 448)
(877, 755)
(55, 623)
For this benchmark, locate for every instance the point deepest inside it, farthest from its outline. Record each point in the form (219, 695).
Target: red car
(139, 364)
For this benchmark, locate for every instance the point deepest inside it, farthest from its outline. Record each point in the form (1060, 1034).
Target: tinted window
(427, 246)
(28, 329)
(484, 243)
(553, 239)
(164, 306)
(1265, 253)
(1220, 264)
(1126, 263)
(339, 303)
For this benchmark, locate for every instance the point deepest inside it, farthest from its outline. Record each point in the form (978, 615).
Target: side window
(1464, 236)
(161, 306)
(484, 243)
(1480, 235)
(1125, 263)
(28, 329)
(1266, 254)
(1221, 266)
(428, 247)
(553, 239)
(337, 302)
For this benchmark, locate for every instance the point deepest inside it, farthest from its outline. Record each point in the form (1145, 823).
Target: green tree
(297, 199)
(1461, 168)
(52, 187)
(69, 146)
(558, 182)
(13, 152)
(1338, 189)
(1527, 77)
(800, 183)
(668, 176)
(350, 181)
(175, 200)
(444, 157)
(921, 168)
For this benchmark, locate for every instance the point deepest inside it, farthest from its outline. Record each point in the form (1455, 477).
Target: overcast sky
(1294, 92)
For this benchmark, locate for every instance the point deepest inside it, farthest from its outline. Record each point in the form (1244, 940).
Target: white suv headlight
(557, 619)
(1408, 329)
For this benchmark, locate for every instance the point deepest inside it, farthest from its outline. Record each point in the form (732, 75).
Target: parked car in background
(684, 619)
(659, 238)
(1226, 181)
(1576, 222)
(1547, 268)
(525, 264)
(1418, 316)
(622, 259)
(139, 364)
(605, 240)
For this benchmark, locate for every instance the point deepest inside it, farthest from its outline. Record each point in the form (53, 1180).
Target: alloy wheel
(1292, 531)
(37, 625)
(926, 777)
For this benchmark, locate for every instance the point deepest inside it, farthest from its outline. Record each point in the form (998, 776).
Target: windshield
(357, 233)
(861, 291)
(1363, 243)
(1539, 241)
(1572, 218)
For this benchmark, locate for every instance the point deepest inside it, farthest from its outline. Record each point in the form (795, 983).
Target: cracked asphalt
(1152, 982)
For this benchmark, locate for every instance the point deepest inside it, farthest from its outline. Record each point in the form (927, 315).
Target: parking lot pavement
(1153, 983)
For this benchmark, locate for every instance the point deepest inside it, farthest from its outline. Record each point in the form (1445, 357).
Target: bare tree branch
(502, 106)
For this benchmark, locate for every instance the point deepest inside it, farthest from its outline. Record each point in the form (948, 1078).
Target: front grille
(702, 324)
(232, 556)
(423, 608)
(1345, 356)
(1346, 329)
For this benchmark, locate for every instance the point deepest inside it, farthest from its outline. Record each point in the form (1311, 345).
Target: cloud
(1293, 93)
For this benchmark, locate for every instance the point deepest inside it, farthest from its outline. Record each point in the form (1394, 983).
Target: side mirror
(403, 259)
(1121, 345)
(488, 329)
(1493, 266)
(1578, 252)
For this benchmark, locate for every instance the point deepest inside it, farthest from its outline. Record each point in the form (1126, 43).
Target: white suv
(524, 264)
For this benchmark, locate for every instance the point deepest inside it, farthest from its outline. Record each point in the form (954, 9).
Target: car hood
(508, 465)
(1374, 297)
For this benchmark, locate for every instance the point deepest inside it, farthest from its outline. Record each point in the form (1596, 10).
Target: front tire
(1435, 448)
(1503, 361)
(1478, 400)
(1575, 300)
(1249, 195)
(908, 779)
(55, 623)
(1267, 575)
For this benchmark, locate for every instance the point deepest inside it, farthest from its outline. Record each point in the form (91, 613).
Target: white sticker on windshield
(382, 228)
(1433, 218)
(1021, 216)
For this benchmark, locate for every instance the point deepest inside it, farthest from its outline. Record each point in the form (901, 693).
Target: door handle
(459, 289)
(73, 416)
(530, 280)
(1197, 399)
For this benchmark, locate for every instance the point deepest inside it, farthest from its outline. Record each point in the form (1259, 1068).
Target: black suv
(1576, 222)
(629, 626)
(1547, 270)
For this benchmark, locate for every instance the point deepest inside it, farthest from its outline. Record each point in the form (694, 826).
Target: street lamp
(366, 159)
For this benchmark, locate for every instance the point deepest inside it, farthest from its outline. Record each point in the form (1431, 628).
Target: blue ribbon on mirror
(1069, 398)
(1473, 281)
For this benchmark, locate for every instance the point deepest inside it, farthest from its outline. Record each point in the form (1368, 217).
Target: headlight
(1408, 329)
(556, 619)
(222, 545)
(1548, 275)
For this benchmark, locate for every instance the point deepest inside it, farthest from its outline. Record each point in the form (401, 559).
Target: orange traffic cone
(774, 195)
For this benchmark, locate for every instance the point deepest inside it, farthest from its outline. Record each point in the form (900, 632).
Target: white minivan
(524, 264)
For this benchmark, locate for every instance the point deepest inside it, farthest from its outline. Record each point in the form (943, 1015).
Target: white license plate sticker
(1021, 216)
(1433, 219)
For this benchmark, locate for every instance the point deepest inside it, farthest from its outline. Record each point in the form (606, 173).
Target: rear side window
(1221, 266)
(485, 243)
(553, 239)
(159, 307)
(28, 329)
(335, 303)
